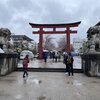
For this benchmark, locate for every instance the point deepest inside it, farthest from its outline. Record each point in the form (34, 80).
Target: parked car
(26, 52)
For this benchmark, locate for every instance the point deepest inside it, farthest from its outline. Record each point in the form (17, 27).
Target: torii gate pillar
(40, 43)
(68, 39)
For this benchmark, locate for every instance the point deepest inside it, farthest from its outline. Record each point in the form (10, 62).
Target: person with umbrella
(45, 55)
(25, 65)
(70, 64)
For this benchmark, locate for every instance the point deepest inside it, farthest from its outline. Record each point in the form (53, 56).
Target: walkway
(40, 64)
(49, 86)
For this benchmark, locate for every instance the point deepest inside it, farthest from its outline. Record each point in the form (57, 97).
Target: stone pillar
(91, 64)
(8, 63)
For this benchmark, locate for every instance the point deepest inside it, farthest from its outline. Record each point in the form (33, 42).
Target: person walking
(56, 56)
(53, 56)
(45, 55)
(65, 57)
(59, 56)
(25, 65)
(70, 64)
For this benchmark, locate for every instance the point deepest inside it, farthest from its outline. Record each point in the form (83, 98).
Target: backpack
(69, 60)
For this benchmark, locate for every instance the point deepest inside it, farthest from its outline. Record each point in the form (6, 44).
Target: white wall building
(77, 44)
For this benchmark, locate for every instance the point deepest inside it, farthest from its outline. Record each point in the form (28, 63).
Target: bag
(69, 60)
(24, 61)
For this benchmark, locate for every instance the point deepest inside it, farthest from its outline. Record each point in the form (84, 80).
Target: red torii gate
(68, 31)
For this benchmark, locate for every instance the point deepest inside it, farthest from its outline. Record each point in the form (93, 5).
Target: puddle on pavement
(95, 82)
(10, 76)
(69, 82)
(41, 98)
(19, 96)
(77, 83)
(32, 80)
(40, 61)
(4, 94)
(25, 80)
(36, 81)
(8, 80)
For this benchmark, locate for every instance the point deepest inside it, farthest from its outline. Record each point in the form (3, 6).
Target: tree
(62, 44)
(48, 43)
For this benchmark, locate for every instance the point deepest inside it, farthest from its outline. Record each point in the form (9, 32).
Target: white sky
(16, 14)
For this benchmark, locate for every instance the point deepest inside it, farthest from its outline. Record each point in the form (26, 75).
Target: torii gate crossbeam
(68, 31)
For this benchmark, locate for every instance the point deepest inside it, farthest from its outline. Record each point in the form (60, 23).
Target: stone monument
(94, 39)
(8, 59)
(5, 37)
(91, 58)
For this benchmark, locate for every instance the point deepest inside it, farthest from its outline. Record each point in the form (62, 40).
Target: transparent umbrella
(45, 50)
(73, 53)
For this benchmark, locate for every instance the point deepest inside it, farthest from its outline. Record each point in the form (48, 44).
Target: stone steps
(49, 70)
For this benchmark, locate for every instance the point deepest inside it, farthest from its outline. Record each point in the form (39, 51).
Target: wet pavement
(49, 86)
(35, 63)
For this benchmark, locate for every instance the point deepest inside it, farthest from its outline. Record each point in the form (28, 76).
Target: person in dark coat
(70, 64)
(25, 65)
(56, 56)
(53, 55)
(65, 56)
(59, 56)
(45, 56)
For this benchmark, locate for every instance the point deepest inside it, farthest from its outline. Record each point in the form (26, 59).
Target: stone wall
(8, 63)
(91, 64)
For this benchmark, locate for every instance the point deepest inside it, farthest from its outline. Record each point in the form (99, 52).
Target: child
(25, 65)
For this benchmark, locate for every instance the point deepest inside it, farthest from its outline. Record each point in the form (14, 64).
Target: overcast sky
(16, 14)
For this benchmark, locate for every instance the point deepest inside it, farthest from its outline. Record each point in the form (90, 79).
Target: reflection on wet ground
(41, 98)
(34, 81)
(50, 64)
(18, 97)
(76, 83)
(8, 80)
(49, 86)
(4, 94)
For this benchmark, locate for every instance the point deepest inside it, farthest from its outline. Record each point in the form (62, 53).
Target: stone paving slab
(49, 86)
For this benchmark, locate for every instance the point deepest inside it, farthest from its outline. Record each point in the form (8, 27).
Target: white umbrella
(45, 50)
(73, 54)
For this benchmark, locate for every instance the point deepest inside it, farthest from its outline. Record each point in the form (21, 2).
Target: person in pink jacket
(25, 65)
